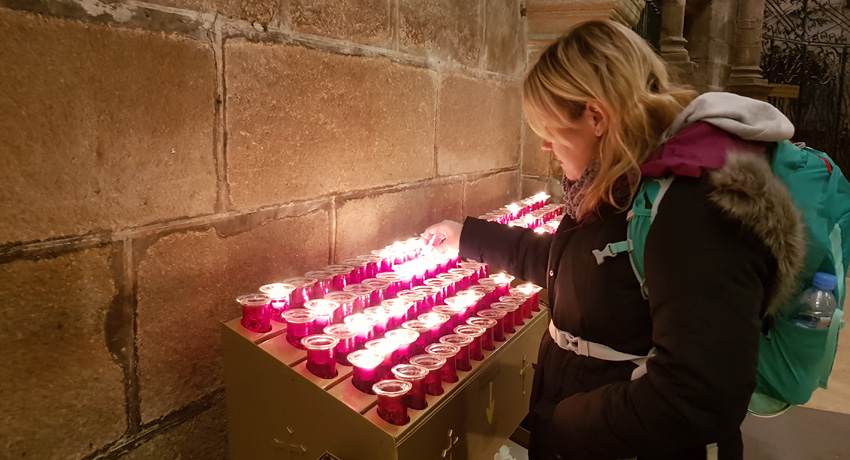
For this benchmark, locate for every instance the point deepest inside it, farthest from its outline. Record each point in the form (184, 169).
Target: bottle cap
(824, 281)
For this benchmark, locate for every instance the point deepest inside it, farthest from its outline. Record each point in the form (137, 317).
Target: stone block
(304, 123)
(101, 128)
(188, 283)
(373, 222)
(504, 38)
(202, 437)
(361, 21)
(479, 125)
(442, 29)
(260, 11)
(62, 393)
(491, 193)
(535, 160)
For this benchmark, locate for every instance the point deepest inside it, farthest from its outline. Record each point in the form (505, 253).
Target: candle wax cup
(415, 398)
(256, 319)
(433, 384)
(322, 363)
(345, 346)
(475, 349)
(448, 373)
(487, 339)
(297, 331)
(535, 302)
(392, 409)
(462, 359)
(276, 309)
(363, 379)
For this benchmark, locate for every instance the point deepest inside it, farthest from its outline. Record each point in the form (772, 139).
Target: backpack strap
(640, 217)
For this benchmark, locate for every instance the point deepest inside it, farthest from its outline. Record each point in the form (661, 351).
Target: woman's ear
(597, 117)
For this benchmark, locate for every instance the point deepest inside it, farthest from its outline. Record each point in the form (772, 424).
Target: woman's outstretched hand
(444, 236)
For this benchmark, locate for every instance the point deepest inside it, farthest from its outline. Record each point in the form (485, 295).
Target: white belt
(583, 347)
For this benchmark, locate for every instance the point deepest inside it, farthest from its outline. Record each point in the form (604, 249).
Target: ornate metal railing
(805, 43)
(649, 24)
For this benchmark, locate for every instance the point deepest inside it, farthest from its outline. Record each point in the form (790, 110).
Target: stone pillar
(673, 42)
(746, 78)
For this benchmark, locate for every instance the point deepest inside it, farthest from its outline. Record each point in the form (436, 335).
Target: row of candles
(405, 318)
(542, 220)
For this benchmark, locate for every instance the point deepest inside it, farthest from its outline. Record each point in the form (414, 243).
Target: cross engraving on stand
(525, 365)
(452, 441)
(293, 448)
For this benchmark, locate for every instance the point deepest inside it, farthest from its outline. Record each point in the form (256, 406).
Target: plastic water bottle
(816, 305)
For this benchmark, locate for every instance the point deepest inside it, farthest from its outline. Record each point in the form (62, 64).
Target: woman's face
(574, 146)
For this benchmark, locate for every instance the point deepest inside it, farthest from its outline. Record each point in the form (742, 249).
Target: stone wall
(162, 157)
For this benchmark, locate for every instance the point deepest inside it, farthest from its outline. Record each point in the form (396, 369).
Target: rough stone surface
(442, 29)
(504, 39)
(491, 193)
(260, 11)
(61, 394)
(535, 161)
(304, 123)
(362, 21)
(479, 125)
(534, 185)
(101, 128)
(202, 437)
(188, 283)
(374, 222)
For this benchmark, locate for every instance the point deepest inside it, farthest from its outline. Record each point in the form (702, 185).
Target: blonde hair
(607, 62)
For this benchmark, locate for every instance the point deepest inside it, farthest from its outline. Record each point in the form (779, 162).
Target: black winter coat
(709, 276)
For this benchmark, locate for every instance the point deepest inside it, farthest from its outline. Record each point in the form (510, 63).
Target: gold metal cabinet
(277, 410)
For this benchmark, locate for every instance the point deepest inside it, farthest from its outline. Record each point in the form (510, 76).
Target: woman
(721, 254)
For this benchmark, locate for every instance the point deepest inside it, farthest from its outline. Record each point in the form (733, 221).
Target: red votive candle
(499, 317)
(441, 285)
(364, 296)
(303, 291)
(398, 309)
(324, 311)
(320, 355)
(533, 291)
(503, 282)
(480, 269)
(387, 260)
(391, 400)
(454, 281)
(382, 318)
(488, 325)
(510, 310)
(476, 346)
(448, 352)
(373, 265)
(279, 299)
(416, 298)
(452, 312)
(462, 357)
(436, 320)
(256, 313)
(433, 384)
(430, 293)
(520, 301)
(488, 296)
(395, 283)
(380, 287)
(341, 275)
(346, 304)
(324, 283)
(364, 325)
(346, 337)
(299, 324)
(467, 301)
(525, 308)
(454, 258)
(358, 272)
(467, 275)
(364, 363)
(415, 398)
(424, 331)
(386, 348)
(405, 341)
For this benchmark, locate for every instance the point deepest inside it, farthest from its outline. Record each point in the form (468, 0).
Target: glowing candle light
(386, 348)
(279, 295)
(531, 290)
(364, 363)
(405, 341)
(381, 315)
(436, 320)
(364, 325)
(503, 281)
(324, 311)
(398, 309)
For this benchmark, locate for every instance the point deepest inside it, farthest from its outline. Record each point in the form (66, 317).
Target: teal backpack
(793, 361)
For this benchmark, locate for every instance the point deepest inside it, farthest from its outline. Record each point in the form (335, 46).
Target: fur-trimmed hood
(726, 136)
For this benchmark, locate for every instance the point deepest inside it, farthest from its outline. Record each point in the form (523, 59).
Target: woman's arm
(519, 251)
(706, 278)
